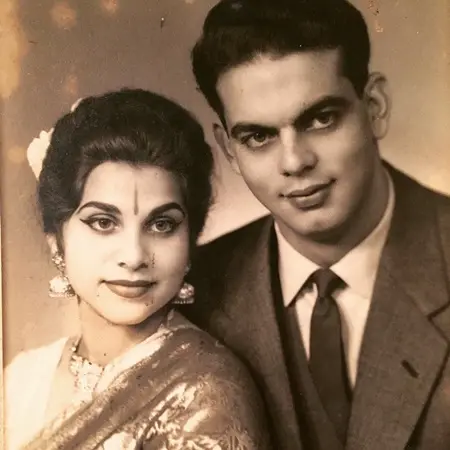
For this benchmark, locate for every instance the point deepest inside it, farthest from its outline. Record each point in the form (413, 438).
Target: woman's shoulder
(221, 387)
(204, 347)
(27, 381)
(25, 361)
(212, 364)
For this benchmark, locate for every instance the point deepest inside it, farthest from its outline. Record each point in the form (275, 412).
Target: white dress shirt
(358, 269)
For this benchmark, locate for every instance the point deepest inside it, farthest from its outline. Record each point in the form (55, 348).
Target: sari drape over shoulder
(178, 390)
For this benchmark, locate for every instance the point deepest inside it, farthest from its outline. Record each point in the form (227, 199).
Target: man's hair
(237, 31)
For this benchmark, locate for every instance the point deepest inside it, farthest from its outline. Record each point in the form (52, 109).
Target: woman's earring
(60, 286)
(185, 295)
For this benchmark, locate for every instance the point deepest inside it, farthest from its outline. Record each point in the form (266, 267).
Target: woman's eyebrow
(106, 207)
(166, 207)
(111, 209)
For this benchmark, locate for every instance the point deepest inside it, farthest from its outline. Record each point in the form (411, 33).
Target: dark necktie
(327, 359)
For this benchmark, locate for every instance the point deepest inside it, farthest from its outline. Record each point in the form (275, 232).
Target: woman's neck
(102, 341)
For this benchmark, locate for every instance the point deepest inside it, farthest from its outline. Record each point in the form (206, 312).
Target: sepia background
(55, 51)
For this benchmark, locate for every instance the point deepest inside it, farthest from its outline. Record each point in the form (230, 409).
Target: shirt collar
(293, 268)
(358, 268)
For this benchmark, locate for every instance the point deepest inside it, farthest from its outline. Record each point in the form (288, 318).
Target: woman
(123, 192)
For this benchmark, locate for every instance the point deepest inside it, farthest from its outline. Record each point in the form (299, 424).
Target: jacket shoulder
(409, 185)
(215, 264)
(406, 186)
(219, 251)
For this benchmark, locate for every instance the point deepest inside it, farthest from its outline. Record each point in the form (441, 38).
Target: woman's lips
(129, 289)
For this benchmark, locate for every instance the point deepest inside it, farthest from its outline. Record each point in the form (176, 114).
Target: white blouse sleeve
(27, 383)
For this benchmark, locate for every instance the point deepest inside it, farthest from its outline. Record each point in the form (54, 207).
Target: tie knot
(326, 281)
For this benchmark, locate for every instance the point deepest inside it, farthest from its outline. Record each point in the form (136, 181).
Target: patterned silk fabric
(189, 394)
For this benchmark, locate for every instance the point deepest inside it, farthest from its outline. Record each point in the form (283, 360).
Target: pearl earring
(60, 286)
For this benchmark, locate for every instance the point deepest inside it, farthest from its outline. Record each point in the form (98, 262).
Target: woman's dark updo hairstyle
(131, 126)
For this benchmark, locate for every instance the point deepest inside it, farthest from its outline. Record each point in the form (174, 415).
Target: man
(339, 300)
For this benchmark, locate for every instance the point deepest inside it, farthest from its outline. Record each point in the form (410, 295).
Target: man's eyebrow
(329, 101)
(106, 207)
(247, 127)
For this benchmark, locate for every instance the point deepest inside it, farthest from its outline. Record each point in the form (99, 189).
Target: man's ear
(222, 139)
(378, 104)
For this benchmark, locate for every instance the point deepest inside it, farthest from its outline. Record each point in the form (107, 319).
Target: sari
(177, 390)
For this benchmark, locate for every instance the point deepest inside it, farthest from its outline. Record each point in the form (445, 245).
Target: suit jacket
(401, 399)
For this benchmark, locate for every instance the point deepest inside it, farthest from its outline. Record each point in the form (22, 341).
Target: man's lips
(310, 197)
(128, 288)
(307, 191)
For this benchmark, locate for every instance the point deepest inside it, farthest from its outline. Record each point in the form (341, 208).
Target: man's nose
(296, 153)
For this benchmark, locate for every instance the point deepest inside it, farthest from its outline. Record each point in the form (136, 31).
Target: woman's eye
(102, 224)
(163, 226)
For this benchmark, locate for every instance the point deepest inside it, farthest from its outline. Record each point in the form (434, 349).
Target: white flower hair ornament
(37, 149)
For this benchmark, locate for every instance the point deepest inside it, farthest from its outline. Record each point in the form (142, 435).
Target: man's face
(303, 140)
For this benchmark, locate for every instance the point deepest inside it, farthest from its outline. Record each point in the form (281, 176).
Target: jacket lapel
(253, 323)
(403, 352)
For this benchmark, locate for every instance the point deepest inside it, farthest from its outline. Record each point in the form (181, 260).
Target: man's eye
(256, 140)
(323, 120)
(163, 226)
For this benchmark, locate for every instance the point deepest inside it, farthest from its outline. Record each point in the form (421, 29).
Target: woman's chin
(123, 311)
(125, 317)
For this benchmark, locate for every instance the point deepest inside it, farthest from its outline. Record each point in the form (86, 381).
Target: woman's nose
(133, 255)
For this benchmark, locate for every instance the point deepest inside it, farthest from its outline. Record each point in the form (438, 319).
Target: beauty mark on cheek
(153, 261)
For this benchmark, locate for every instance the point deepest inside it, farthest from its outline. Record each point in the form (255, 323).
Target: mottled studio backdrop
(52, 52)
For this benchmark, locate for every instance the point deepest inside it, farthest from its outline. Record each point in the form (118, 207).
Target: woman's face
(126, 247)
